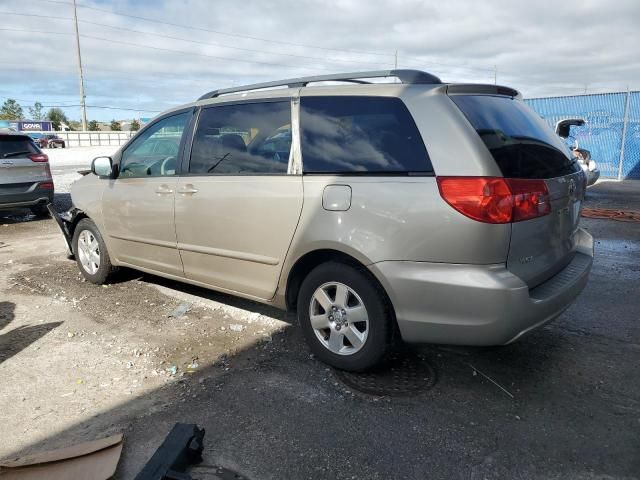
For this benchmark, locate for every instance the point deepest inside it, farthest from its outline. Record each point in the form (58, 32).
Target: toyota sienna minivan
(418, 210)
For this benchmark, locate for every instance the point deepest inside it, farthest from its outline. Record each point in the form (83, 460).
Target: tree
(57, 116)
(135, 125)
(115, 126)
(11, 110)
(93, 126)
(74, 125)
(35, 112)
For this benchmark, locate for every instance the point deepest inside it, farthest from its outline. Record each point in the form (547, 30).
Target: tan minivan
(419, 210)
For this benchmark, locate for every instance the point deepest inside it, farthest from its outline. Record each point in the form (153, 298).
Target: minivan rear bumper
(478, 304)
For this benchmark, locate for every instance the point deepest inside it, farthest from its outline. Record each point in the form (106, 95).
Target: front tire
(344, 316)
(91, 253)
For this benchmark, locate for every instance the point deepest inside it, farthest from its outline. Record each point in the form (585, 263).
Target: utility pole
(495, 74)
(396, 60)
(82, 97)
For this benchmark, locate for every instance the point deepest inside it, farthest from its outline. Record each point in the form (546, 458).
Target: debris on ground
(180, 310)
(181, 448)
(491, 380)
(193, 365)
(93, 460)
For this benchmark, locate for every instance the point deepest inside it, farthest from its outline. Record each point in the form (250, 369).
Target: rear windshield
(521, 143)
(360, 135)
(16, 146)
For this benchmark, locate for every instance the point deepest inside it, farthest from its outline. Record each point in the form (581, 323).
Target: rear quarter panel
(394, 218)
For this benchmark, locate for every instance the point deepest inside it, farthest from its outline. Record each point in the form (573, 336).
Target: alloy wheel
(339, 318)
(89, 252)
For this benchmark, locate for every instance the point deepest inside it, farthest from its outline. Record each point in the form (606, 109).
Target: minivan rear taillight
(496, 199)
(38, 157)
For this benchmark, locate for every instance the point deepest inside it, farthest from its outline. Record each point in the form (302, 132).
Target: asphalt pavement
(561, 403)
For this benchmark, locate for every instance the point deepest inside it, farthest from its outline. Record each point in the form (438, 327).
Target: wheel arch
(71, 222)
(310, 260)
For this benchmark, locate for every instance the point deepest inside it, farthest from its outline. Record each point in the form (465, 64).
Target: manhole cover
(403, 374)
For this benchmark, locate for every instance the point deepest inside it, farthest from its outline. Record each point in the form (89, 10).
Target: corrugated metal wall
(612, 119)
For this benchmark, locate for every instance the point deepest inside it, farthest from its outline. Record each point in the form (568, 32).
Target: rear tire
(40, 211)
(344, 316)
(91, 253)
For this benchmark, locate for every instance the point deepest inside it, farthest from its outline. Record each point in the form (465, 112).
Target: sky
(141, 57)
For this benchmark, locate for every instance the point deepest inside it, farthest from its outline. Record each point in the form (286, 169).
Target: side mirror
(102, 166)
(563, 130)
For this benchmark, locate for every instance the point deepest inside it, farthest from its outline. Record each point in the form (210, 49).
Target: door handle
(163, 189)
(188, 189)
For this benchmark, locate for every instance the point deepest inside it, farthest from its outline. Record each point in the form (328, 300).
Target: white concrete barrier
(91, 139)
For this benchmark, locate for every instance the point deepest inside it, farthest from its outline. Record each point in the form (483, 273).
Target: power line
(33, 31)
(336, 60)
(415, 58)
(57, 1)
(170, 50)
(199, 54)
(190, 27)
(463, 67)
(50, 17)
(249, 37)
(124, 108)
(331, 60)
(125, 74)
(34, 101)
(65, 105)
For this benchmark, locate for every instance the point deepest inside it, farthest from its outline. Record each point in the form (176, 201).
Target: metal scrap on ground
(606, 213)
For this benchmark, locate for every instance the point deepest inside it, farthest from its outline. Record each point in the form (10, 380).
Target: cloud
(541, 48)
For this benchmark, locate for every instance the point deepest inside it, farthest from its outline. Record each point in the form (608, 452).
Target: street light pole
(82, 97)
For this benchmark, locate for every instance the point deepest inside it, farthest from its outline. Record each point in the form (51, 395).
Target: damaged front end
(67, 222)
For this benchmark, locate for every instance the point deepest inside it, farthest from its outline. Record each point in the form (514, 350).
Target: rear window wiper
(15, 154)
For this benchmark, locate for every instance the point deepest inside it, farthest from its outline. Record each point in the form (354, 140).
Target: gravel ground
(79, 361)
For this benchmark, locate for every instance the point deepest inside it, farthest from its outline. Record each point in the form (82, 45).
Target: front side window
(358, 135)
(245, 139)
(155, 152)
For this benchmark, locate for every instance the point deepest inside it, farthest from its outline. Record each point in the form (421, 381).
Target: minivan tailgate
(543, 246)
(525, 147)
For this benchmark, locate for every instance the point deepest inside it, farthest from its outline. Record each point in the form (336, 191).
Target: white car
(588, 165)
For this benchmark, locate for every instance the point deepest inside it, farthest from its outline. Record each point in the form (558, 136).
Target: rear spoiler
(482, 89)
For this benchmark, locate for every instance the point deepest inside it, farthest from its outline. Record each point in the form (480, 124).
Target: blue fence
(611, 132)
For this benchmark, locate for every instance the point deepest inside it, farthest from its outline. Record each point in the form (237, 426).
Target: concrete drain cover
(403, 374)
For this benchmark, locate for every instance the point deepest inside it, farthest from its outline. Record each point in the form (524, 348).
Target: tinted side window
(521, 143)
(360, 135)
(253, 138)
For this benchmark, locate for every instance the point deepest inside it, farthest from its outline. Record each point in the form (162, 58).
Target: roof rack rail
(405, 76)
